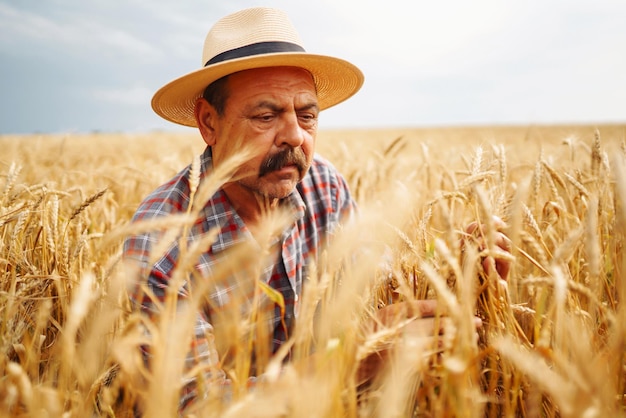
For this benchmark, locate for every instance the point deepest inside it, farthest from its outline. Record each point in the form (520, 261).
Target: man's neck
(251, 207)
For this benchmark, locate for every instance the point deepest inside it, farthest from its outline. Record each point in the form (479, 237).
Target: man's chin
(279, 189)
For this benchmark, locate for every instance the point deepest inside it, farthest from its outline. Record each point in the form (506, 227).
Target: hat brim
(335, 79)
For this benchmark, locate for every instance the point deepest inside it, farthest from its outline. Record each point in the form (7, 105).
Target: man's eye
(268, 117)
(308, 117)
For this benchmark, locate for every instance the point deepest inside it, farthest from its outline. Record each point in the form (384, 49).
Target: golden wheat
(552, 338)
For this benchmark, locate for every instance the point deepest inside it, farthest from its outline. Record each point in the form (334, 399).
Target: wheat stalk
(596, 154)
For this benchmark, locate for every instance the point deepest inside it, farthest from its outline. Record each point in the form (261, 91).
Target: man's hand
(420, 322)
(502, 259)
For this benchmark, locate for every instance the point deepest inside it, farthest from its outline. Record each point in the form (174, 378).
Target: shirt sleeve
(346, 204)
(202, 372)
(327, 196)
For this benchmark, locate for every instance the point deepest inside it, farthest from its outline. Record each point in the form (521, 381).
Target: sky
(71, 66)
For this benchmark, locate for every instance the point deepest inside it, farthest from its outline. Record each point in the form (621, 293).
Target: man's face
(275, 110)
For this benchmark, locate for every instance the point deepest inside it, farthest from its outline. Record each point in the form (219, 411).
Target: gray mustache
(289, 156)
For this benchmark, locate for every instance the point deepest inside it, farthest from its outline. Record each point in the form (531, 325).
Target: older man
(258, 89)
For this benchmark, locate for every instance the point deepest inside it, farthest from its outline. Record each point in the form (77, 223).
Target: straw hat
(254, 38)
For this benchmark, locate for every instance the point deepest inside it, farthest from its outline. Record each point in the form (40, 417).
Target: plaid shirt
(321, 200)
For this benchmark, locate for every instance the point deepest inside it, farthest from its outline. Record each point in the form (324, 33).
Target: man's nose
(290, 132)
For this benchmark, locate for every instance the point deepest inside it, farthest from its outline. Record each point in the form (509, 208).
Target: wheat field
(553, 336)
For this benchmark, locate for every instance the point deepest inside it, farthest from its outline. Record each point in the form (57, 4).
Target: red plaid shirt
(319, 203)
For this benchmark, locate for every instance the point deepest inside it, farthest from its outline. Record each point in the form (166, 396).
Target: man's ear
(206, 116)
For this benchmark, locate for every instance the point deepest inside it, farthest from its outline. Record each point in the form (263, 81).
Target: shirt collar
(232, 230)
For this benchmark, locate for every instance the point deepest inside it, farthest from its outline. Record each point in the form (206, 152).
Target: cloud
(443, 62)
(424, 39)
(481, 37)
(69, 32)
(133, 96)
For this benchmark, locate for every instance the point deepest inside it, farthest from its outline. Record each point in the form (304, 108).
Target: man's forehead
(274, 103)
(273, 87)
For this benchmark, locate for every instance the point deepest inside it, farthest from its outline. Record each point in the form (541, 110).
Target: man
(258, 90)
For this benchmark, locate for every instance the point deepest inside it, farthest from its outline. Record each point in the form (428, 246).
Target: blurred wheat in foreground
(553, 336)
